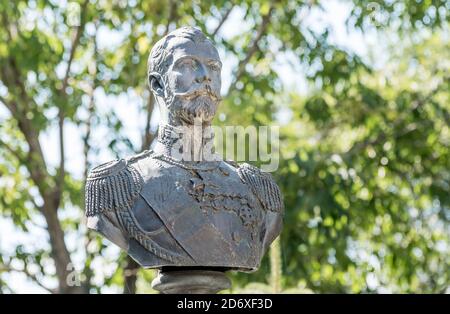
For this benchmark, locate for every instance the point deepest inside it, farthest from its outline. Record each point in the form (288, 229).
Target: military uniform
(165, 212)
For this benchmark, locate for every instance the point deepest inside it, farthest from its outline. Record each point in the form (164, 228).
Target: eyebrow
(209, 61)
(217, 62)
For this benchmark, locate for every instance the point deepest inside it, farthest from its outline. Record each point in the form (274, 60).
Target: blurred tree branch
(222, 20)
(253, 46)
(76, 40)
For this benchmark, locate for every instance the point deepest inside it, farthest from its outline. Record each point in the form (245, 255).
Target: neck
(187, 142)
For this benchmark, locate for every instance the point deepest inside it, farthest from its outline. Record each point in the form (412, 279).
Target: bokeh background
(360, 90)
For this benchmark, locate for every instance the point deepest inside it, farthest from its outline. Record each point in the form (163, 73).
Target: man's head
(184, 75)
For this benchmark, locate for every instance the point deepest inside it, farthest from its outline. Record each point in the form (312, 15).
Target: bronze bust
(165, 210)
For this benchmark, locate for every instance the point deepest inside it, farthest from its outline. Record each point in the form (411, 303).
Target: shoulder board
(263, 186)
(112, 186)
(232, 163)
(142, 155)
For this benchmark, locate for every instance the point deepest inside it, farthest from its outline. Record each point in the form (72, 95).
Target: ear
(156, 84)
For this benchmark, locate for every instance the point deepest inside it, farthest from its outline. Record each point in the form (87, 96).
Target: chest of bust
(206, 206)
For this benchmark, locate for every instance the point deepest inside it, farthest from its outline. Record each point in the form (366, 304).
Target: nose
(202, 74)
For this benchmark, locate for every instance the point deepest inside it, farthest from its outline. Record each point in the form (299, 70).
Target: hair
(160, 58)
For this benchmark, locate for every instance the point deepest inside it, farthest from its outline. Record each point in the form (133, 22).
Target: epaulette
(263, 186)
(112, 186)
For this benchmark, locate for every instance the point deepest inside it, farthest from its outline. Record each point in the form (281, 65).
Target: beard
(196, 107)
(201, 108)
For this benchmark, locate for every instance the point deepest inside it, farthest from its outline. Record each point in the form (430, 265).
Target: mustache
(194, 93)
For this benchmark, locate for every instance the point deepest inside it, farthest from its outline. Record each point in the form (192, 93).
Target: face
(193, 81)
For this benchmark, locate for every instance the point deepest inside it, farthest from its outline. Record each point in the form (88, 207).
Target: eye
(214, 66)
(190, 63)
(186, 64)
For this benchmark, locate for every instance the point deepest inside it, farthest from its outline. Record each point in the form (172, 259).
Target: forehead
(182, 47)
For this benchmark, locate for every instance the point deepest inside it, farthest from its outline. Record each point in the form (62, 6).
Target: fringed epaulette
(263, 186)
(112, 186)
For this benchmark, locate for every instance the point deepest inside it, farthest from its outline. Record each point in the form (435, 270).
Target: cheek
(180, 82)
(216, 82)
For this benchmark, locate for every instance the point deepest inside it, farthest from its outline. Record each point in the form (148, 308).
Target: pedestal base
(191, 282)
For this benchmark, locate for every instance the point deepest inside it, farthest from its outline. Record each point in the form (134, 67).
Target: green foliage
(364, 154)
